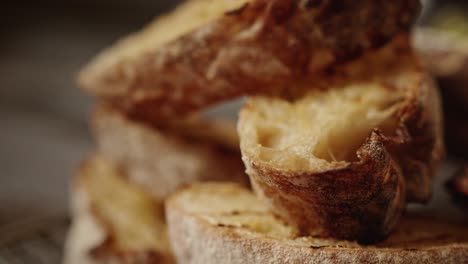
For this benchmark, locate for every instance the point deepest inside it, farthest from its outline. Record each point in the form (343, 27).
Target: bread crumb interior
(321, 129)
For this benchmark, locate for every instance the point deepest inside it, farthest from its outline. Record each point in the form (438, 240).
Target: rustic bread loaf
(208, 51)
(344, 157)
(224, 223)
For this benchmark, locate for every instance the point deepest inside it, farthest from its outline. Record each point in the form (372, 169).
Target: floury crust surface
(217, 60)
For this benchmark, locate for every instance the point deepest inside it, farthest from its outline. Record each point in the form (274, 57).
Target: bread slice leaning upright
(224, 223)
(113, 220)
(342, 156)
(208, 51)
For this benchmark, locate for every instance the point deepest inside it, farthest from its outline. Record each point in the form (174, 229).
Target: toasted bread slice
(114, 221)
(207, 51)
(343, 160)
(223, 223)
(160, 158)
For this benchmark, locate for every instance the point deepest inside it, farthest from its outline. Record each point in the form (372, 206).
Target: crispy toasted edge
(216, 141)
(155, 77)
(197, 241)
(422, 105)
(88, 240)
(420, 128)
(422, 123)
(343, 202)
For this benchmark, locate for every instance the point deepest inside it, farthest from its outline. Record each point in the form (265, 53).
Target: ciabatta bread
(114, 221)
(208, 51)
(343, 160)
(164, 156)
(223, 223)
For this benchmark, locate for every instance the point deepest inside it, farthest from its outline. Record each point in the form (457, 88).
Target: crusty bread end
(176, 67)
(344, 160)
(224, 223)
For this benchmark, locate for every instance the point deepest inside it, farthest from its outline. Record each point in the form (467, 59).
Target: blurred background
(43, 114)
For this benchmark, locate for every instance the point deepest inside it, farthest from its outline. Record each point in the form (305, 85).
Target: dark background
(43, 115)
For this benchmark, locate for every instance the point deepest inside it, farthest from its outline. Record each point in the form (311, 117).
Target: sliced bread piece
(224, 223)
(342, 161)
(114, 221)
(208, 51)
(161, 157)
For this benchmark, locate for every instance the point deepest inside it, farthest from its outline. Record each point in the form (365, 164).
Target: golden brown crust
(162, 157)
(290, 39)
(363, 199)
(419, 145)
(417, 239)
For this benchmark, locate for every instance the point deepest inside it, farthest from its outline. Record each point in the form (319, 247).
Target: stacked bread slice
(114, 221)
(344, 161)
(118, 193)
(342, 129)
(239, 228)
(208, 51)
